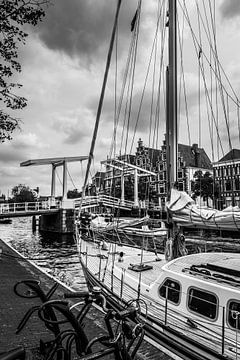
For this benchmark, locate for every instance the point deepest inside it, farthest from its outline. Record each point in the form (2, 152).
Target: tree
(14, 14)
(203, 186)
(23, 193)
(73, 194)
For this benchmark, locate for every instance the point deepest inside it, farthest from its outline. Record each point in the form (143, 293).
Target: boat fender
(120, 258)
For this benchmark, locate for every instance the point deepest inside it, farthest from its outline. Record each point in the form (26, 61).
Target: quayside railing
(27, 207)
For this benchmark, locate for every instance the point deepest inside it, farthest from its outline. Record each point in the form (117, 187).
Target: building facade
(154, 187)
(226, 173)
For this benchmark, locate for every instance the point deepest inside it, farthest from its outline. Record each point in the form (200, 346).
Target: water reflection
(55, 254)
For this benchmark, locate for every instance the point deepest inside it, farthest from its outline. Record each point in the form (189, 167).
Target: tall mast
(100, 104)
(171, 76)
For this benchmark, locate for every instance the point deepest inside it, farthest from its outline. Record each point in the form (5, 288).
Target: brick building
(190, 159)
(226, 173)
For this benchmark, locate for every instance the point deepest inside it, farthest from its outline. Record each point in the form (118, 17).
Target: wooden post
(34, 224)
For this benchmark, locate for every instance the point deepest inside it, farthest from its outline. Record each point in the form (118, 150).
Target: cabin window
(203, 303)
(233, 314)
(172, 288)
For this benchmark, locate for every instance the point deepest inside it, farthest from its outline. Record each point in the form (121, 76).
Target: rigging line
(200, 63)
(213, 22)
(211, 73)
(123, 85)
(220, 86)
(184, 82)
(195, 45)
(203, 54)
(153, 87)
(127, 100)
(161, 72)
(205, 85)
(157, 110)
(160, 11)
(215, 52)
(115, 93)
(128, 71)
(144, 87)
(215, 64)
(134, 68)
(99, 110)
(211, 97)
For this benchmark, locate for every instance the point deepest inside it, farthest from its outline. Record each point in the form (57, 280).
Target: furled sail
(185, 212)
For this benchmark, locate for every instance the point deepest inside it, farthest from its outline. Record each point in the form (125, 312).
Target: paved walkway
(12, 308)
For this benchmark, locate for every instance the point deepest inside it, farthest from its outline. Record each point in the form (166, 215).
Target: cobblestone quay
(13, 268)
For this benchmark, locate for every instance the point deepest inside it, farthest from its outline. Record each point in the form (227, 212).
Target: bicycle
(124, 330)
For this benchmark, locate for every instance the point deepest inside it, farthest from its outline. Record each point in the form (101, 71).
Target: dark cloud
(83, 27)
(230, 8)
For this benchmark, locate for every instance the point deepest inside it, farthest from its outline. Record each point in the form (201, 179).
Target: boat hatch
(215, 272)
(140, 267)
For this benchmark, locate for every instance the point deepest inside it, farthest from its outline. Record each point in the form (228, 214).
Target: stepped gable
(193, 156)
(154, 155)
(234, 154)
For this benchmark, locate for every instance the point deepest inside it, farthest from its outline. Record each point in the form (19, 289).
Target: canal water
(53, 253)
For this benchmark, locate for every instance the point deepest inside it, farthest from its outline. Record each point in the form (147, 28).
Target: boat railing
(219, 334)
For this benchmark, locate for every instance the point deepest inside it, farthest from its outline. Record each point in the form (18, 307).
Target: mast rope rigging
(182, 80)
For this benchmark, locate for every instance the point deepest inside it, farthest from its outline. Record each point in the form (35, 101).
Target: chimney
(196, 154)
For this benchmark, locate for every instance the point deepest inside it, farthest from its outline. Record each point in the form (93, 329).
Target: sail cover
(185, 212)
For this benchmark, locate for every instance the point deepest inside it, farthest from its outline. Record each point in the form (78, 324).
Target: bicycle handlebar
(122, 315)
(76, 294)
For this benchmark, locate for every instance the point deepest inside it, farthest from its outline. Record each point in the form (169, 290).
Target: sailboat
(190, 303)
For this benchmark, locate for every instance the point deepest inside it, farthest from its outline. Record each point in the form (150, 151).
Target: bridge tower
(62, 221)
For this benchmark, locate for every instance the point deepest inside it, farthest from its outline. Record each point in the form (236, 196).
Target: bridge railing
(105, 200)
(27, 206)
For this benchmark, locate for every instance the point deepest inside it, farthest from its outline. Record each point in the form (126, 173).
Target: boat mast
(171, 78)
(100, 104)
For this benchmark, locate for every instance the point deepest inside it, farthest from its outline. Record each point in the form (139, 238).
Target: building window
(161, 177)
(172, 289)
(180, 174)
(162, 190)
(233, 314)
(180, 186)
(203, 303)
(237, 184)
(228, 185)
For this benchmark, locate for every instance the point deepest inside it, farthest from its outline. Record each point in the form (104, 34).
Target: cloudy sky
(63, 63)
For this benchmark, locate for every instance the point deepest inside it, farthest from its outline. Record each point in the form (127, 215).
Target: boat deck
(131, 256)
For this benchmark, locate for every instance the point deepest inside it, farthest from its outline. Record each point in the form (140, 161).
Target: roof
(234, 154)
(220, 268)
(154, 155)
(193, 156)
